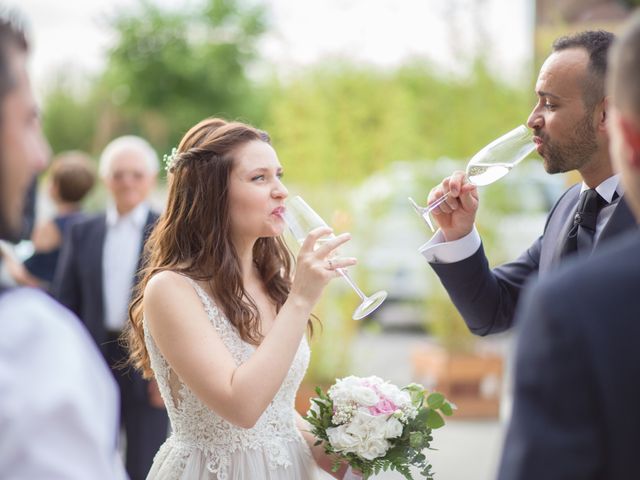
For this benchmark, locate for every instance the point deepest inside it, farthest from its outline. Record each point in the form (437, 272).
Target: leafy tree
(167, 70)
(69, 118)
(182, 66)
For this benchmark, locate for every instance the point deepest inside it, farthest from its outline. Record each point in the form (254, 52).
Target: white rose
(359, 424)
(341, 440)
(340, 392)
(373, 380)
(364, 425)
(372, 448)
(393, 428)
(364, 396)
(400, 398)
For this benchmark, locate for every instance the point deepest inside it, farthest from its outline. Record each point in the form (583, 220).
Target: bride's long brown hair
(193, 235)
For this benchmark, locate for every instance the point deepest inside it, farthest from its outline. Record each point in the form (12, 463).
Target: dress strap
(206, 300)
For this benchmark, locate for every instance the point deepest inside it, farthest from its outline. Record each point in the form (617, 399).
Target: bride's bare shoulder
(167, 283)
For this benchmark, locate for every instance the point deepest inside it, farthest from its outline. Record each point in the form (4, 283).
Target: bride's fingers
(330, 245)
(334, 263)
(309, 243)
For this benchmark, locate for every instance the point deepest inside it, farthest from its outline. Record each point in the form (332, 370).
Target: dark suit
(577, 381)
(78, 284)
(487, 298)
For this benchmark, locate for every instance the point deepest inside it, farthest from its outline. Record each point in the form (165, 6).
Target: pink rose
(383, 407)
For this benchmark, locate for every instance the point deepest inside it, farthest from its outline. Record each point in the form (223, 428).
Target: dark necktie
(580, 237)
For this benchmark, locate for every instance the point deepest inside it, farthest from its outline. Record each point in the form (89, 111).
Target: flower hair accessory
(170, 159)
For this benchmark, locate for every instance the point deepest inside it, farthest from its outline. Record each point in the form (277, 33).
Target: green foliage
(68, 119)
(340, 122)
(446, 324)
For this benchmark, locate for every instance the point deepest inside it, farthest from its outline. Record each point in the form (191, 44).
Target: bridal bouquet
(375, 426)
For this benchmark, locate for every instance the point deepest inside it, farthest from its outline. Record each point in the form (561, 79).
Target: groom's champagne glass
(301, 219)
(490, 164)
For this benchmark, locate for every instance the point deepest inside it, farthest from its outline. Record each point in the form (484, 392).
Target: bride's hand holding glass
(315, 267)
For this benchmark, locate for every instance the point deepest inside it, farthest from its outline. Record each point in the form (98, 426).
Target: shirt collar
(607, 188)
(137, 216)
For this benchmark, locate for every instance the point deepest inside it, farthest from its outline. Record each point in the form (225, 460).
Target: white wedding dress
(204, 446)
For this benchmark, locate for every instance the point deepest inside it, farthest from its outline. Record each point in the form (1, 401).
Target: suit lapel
(95, 251)
(560, 221)
(621, 221)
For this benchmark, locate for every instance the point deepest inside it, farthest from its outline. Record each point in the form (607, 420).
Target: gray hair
(127, 143)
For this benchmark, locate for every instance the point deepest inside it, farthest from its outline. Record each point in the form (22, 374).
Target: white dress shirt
(59, 404)
(438, 250)
(120, 257)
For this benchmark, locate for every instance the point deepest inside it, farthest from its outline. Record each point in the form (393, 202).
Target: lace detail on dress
(194, 425)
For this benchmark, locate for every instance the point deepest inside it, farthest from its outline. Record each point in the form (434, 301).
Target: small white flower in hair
(170, 159)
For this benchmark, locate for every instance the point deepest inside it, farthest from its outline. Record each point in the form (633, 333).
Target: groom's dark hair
(596, 43)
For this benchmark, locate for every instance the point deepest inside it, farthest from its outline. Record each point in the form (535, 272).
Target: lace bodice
(194, 425)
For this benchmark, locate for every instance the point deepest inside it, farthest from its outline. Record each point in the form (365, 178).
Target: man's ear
(602, 112)
(630, 128)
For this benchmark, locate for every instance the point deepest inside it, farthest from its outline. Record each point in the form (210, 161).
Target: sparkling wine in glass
(301, 219)
(490, 164)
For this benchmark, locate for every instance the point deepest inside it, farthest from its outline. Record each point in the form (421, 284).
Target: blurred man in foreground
(58, 404)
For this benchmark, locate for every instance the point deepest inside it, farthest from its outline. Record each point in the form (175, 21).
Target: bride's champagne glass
(490, 164)
(301, 219)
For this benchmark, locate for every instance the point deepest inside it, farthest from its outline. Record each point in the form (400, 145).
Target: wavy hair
(193, 236)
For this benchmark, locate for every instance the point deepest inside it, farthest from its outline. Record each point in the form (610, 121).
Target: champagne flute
(490, 164)
(301, 219)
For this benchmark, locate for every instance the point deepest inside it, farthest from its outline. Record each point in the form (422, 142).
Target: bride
(219, 318)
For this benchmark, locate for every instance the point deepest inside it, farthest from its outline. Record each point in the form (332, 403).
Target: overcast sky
(74, 35)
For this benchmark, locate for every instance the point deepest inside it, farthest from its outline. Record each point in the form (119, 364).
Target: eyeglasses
(120, 176)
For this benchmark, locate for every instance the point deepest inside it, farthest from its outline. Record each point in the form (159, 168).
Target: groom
(576, 409)
(569, 126)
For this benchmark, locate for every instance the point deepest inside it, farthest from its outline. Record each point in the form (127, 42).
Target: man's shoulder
(614, 268)
(86, 224)
(29, 314)
(88, 220)
(27, 299)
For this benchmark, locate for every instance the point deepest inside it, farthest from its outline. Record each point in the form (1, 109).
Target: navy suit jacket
(487, 298)
(79, 275)
(576, 409)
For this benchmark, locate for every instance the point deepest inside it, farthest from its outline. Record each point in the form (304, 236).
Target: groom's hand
(456, 215)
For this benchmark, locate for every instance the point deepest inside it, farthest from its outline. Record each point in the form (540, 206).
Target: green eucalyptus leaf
(434, 420)
(446, 409)
(435, 400)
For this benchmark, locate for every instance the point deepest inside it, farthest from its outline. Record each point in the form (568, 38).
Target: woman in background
(72, 177)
